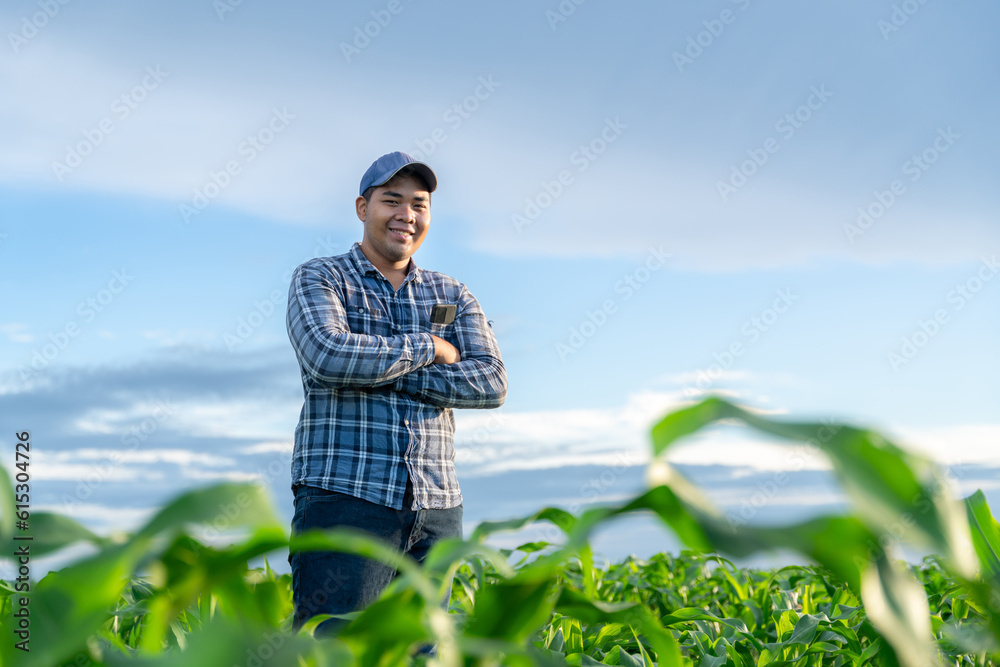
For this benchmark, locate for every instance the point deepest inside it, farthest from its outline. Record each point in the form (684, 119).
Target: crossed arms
(425, 366)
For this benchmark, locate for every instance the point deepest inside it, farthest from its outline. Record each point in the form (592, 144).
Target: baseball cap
(386, 167)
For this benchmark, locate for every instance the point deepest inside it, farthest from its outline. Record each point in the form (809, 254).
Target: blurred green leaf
(892, 490)
(510, 611)
(225, 642)
(985, 534)
(221, 507)
(51, 532)
(203, 605)
(7, 508)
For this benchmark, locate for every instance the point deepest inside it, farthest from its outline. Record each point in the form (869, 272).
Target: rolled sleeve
(479, 380)
(334, 356)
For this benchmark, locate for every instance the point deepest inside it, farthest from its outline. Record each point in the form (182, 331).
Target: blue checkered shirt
(377, 409)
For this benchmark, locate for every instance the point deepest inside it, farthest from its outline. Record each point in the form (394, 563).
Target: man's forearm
(342, 360)
(470, 383)
(333, 355)
(477, 380)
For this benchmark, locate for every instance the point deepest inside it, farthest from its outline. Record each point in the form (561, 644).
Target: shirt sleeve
(479, 380)
(330, 353)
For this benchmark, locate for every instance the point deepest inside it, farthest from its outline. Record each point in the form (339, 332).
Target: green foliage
(163, 596)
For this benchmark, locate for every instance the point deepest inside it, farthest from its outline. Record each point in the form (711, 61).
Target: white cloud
(488, 443)
(774, 223)
(222, 418)
(968, 444)
(99, 518)
(183, 457)
(614, 436)
(491, 442)
(692, 377)
(185, 129)
(219, 476)
(271, 446)
(192, 128)
(91, 474)
(798, 497)
(243, 418)
(505, 440)
(17, 332)
(141, 417)
(741, 447)
(180, 337)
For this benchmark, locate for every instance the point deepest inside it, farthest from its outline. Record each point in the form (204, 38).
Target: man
(386, 350)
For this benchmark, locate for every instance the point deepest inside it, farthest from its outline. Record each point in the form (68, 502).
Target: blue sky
(788, 204)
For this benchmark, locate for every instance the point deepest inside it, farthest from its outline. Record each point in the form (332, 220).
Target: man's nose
(406, 212)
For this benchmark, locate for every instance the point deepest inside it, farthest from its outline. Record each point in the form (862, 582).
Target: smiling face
(396, 221)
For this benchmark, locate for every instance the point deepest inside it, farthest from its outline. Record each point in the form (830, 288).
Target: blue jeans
(330, 582)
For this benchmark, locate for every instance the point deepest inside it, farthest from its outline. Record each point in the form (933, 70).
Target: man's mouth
(401, 234)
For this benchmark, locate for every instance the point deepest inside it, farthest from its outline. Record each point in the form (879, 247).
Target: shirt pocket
(366, 316)
(445, 331)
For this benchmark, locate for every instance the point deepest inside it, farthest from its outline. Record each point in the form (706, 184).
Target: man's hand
(445, 352)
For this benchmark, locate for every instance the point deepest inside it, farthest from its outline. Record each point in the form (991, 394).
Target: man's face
(396, 219)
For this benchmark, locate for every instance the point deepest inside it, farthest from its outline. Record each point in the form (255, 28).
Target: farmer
(386, 350)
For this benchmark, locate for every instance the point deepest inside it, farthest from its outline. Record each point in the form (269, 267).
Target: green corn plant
(163, 597)
(895, 496)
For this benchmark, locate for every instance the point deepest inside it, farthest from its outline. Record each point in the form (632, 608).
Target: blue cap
(386, 167)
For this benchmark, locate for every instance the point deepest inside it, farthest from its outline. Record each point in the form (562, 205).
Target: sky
(787, 204)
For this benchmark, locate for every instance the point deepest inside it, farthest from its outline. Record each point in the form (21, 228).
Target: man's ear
(362, 208)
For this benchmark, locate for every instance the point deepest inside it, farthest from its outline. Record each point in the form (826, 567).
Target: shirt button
(360, 309)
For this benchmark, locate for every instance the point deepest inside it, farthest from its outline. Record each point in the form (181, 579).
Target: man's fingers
(445, 352)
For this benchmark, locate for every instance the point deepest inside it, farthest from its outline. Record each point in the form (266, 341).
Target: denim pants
(330, 582)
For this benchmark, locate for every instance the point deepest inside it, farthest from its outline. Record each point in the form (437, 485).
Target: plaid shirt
(377, 408)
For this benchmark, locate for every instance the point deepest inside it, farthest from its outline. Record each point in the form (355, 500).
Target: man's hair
(408, 170)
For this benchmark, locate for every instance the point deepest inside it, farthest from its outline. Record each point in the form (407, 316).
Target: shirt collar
(365, 266)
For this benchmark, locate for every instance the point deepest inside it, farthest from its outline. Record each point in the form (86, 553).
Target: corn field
(163, 597)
